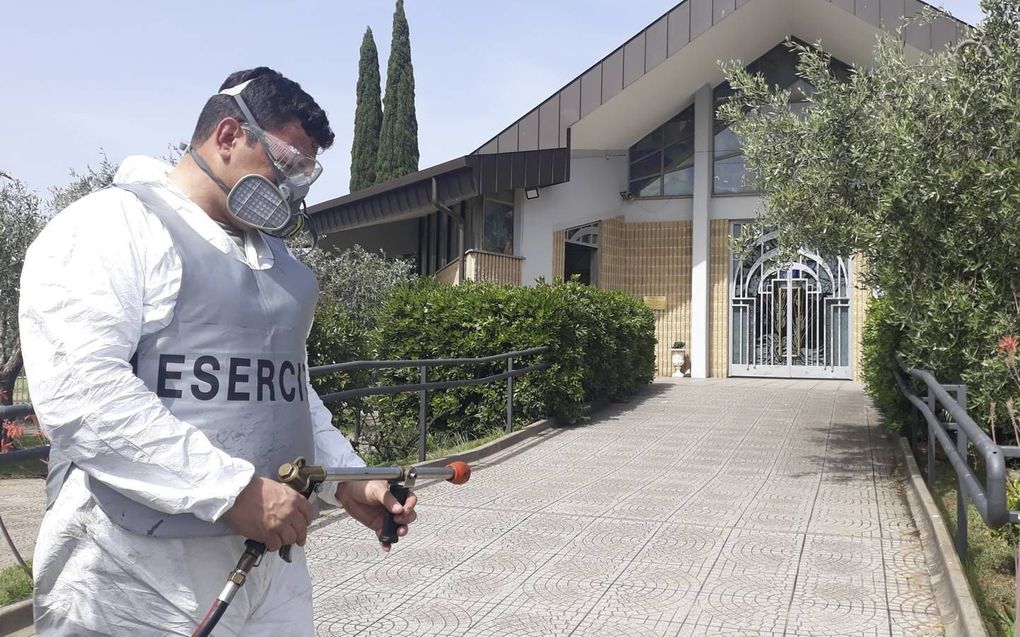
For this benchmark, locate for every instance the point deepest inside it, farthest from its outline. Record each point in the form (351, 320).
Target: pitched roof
(546, 125)
(534, 150)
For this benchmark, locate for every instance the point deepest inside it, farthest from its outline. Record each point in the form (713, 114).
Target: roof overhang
(745, 35)
(646, 80)
(444, 185)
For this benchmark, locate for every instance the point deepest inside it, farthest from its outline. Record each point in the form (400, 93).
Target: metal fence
(958, 436)
(20, 390)
(422, 388)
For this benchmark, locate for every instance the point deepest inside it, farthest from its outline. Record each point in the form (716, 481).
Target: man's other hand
(272, 513)
(368, 500)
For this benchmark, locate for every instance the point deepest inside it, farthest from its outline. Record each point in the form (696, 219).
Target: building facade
(626, 179)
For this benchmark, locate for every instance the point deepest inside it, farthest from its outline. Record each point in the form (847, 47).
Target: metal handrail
(428, 362)
(988, 498)
(422, 388)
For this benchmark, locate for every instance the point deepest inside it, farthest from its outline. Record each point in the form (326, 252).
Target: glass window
(662, 163)
(498, 224)
(779, 67)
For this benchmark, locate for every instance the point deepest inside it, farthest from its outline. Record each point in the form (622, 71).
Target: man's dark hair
(273, 100)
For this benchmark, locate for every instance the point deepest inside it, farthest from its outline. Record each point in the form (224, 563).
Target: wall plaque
(656, 302)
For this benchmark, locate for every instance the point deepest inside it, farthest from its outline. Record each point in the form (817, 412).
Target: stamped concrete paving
(737, 507)
(22, 502)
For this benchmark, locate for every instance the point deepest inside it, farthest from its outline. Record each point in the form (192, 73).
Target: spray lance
(307, 480)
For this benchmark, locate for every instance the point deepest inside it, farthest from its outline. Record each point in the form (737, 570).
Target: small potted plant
(678, 355)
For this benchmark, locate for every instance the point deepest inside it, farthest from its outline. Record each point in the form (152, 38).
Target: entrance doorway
(581, 254)
(789, 319)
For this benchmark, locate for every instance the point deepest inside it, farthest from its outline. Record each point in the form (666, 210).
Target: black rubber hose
(205, 627)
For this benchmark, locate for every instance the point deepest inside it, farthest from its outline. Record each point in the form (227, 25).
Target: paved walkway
(738, 507)
(22, 502)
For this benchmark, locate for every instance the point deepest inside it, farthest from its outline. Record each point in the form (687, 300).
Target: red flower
(1007, 346)
(13, 431)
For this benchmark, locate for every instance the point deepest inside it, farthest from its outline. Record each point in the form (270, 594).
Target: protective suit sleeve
(94, 277)
(332, 449)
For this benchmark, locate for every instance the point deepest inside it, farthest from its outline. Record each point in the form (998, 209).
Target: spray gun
(308, 480)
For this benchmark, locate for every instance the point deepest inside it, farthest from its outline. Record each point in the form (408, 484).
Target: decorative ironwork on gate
(789, 318)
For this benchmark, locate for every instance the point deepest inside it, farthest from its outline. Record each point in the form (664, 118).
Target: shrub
(335, 338)
(353, 284)
(601, 346)
(881, 340)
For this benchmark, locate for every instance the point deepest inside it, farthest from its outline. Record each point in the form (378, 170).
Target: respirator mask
(257, 202)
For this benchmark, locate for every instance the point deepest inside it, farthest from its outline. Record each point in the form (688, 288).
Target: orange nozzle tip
(461, 472)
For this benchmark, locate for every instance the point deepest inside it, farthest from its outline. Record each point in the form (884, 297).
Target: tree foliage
(357, 279)
(367, 117)
(20, 221)
(912, 164)
(398, 141)
(81, 184)
(22, 215)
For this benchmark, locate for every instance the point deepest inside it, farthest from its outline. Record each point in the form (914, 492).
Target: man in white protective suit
(164, 322)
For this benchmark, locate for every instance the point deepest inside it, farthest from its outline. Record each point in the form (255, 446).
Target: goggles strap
(205, 168)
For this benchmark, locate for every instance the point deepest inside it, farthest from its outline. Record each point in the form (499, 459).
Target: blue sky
(131, 77)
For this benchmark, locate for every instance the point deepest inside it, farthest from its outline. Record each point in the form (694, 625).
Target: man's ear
(226, 136)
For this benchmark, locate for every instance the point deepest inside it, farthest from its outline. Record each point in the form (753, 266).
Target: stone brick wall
(719, 298)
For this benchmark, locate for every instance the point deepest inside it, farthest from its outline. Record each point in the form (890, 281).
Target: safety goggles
(294, 165)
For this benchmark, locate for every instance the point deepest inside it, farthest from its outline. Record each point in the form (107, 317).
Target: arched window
(662, 163)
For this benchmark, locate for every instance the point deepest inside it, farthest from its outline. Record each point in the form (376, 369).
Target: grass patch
(989, 561)
(29, 468)
(15, 585)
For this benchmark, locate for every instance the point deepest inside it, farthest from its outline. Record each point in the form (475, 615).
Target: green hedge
(602, 345)
(881, 340)
(337, 337)
(952, 331)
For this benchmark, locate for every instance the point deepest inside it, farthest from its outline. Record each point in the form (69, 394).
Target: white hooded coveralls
(103, 274)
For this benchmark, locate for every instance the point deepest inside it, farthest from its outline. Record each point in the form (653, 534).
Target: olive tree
(912, 164)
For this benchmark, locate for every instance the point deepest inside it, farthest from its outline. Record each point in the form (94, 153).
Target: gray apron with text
(231, 363)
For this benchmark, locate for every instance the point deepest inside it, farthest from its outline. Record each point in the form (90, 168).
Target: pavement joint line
(807, 526)
(874, 484)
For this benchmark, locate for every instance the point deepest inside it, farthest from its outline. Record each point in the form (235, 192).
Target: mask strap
(205, 168)
(235, 92)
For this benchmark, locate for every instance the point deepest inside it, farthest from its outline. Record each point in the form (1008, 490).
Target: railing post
(510, 396)
(931, 443)
(961, 499)
(423, 412)
(961, 493)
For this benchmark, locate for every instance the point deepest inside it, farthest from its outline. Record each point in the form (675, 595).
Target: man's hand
(368, 500)
(272, 513)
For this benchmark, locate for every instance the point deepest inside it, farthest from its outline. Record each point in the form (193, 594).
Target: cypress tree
(398, 141)
(367, 116)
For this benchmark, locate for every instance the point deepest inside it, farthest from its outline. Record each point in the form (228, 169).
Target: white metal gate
(789, 319)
